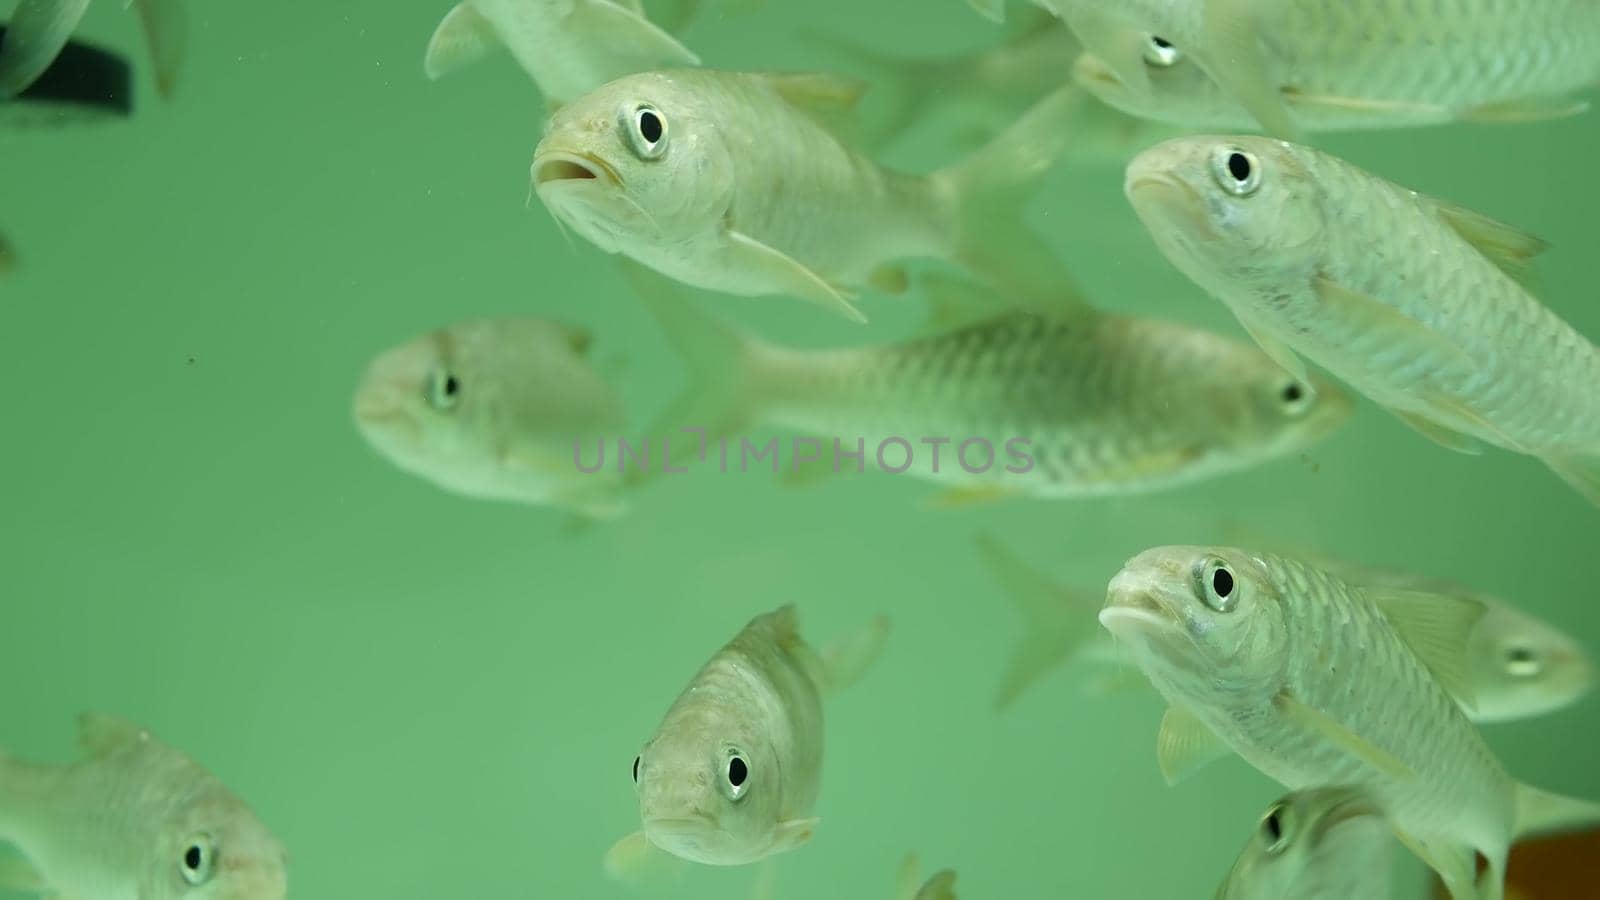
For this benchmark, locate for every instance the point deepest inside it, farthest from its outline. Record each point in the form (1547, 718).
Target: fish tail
(166, 34)
(33, 39)
(1053, 628)
(1541, 812)
(723, 396)
(988, 190)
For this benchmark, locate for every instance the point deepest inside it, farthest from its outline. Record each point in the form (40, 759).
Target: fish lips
(1169, 206)
(556, 169)
(695, 838)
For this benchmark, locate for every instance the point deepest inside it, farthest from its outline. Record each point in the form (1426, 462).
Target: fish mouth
(1169, 199)
(564, 167)
(679, 825)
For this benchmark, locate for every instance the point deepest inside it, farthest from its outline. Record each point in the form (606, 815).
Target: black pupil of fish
(1239, 167)
(636, 768)
(191, 857)
(737, 771)
(1520, 655)
(649, 126)
(451, 386)
(1161, 42)
(1222, 582)
(1292, 394)
(1272, 827)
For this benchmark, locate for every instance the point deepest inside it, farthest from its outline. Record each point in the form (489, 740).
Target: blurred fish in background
(40, 30)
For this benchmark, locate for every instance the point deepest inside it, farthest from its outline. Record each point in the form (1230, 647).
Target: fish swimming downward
(1300, 65)
(1322, 844)
(491, 408)
(1519, 666)
(1078, 404)
(1419, 304)
(1316, 681)
(731, 774)
(568, 47)
(732, 182)
(136, 819)
(39, 29)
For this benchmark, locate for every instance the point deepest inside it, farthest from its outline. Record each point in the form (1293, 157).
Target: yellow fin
(1235, 60)
(787, 275)
(1581, 471)
(975, 495)
(1526, 109)
(793, 834)
(1439, 434)
(1280, 353)
(464, 36)
(1445, 406)
(849, 657)
(1541, 812)
(1056, 621)
(940, 886)
(1371, 314)
(1316, 721)
(1511, 249)
(634, 860)
(1185, 745)
(165, 34)
(890, 279)
(816, 92)
(100, 734)
(1438, 628)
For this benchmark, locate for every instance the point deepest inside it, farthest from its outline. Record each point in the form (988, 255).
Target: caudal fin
(725, 366)
(988, 192)
(1057, 622)
(34, 38)
(1541, 812)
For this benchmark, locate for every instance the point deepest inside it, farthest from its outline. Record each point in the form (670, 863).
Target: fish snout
(1133, 604)
(566, 167)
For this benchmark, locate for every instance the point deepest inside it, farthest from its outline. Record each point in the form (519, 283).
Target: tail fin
(723, 395)
(166, 33)
(913, 84)
(34, 38)
(1541, 812)
(989, 189)
(1053, 628)
(849, 657)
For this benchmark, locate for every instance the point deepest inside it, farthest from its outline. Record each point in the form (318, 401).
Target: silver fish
(731, 775)
(1315, 681)
(492, 408)
(1417, 303)
(137, 818)
(1322, 844)
(568, 47)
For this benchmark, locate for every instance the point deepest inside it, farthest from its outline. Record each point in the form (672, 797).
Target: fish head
(453, 405)
(214, 848)
(1279, 413)
(1174, 89)
(1206, 625)
(1233, 213)
(640, 161)
(1525, 667)
(709, 792)
(1305, 843)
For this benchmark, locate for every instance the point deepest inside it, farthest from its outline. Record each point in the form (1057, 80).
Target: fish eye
(647, 132)
(1274, 828)
(1295, 396)
(199, 860)
(1237, 171)
(736, 773)
(1159, 52)
(1522, 662)
(1216, 585)
(444, 390)
(636, 769)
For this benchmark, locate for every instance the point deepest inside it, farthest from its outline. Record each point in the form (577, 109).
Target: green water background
(429, 697)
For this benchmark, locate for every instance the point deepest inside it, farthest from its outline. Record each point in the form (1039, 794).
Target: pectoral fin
(1370, 314)
(1438, 628)
(1279, 352)
(793, 834)
(1185, 745)
(1511, 249)
(1400, 109)
(634, 860)
(34, 37)
(1316, 721)
(784, 274)
(1448, 438)
(636, 42)
(464, 36)
(816, 92)
(1235, 60)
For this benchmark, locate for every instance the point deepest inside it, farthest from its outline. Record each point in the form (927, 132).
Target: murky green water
(429, 697)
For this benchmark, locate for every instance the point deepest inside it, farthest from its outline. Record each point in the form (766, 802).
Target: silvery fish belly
(1055, 406)
(1419, 304)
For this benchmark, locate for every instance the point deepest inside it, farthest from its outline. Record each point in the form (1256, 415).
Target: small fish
(1315, 681)
(978, 94)
(730, 776)
(40, 29)
(568, 47)
(1295, 65)
(1322, 844)
(732, 182)
(1520, 666)
(492, 408)
(1066, 405)
(1419, 304)
(137, 818)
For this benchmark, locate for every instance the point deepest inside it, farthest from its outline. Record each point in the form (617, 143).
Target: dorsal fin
(101, 735)
(1511, 249)
(830, 100)
(1438, 628)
